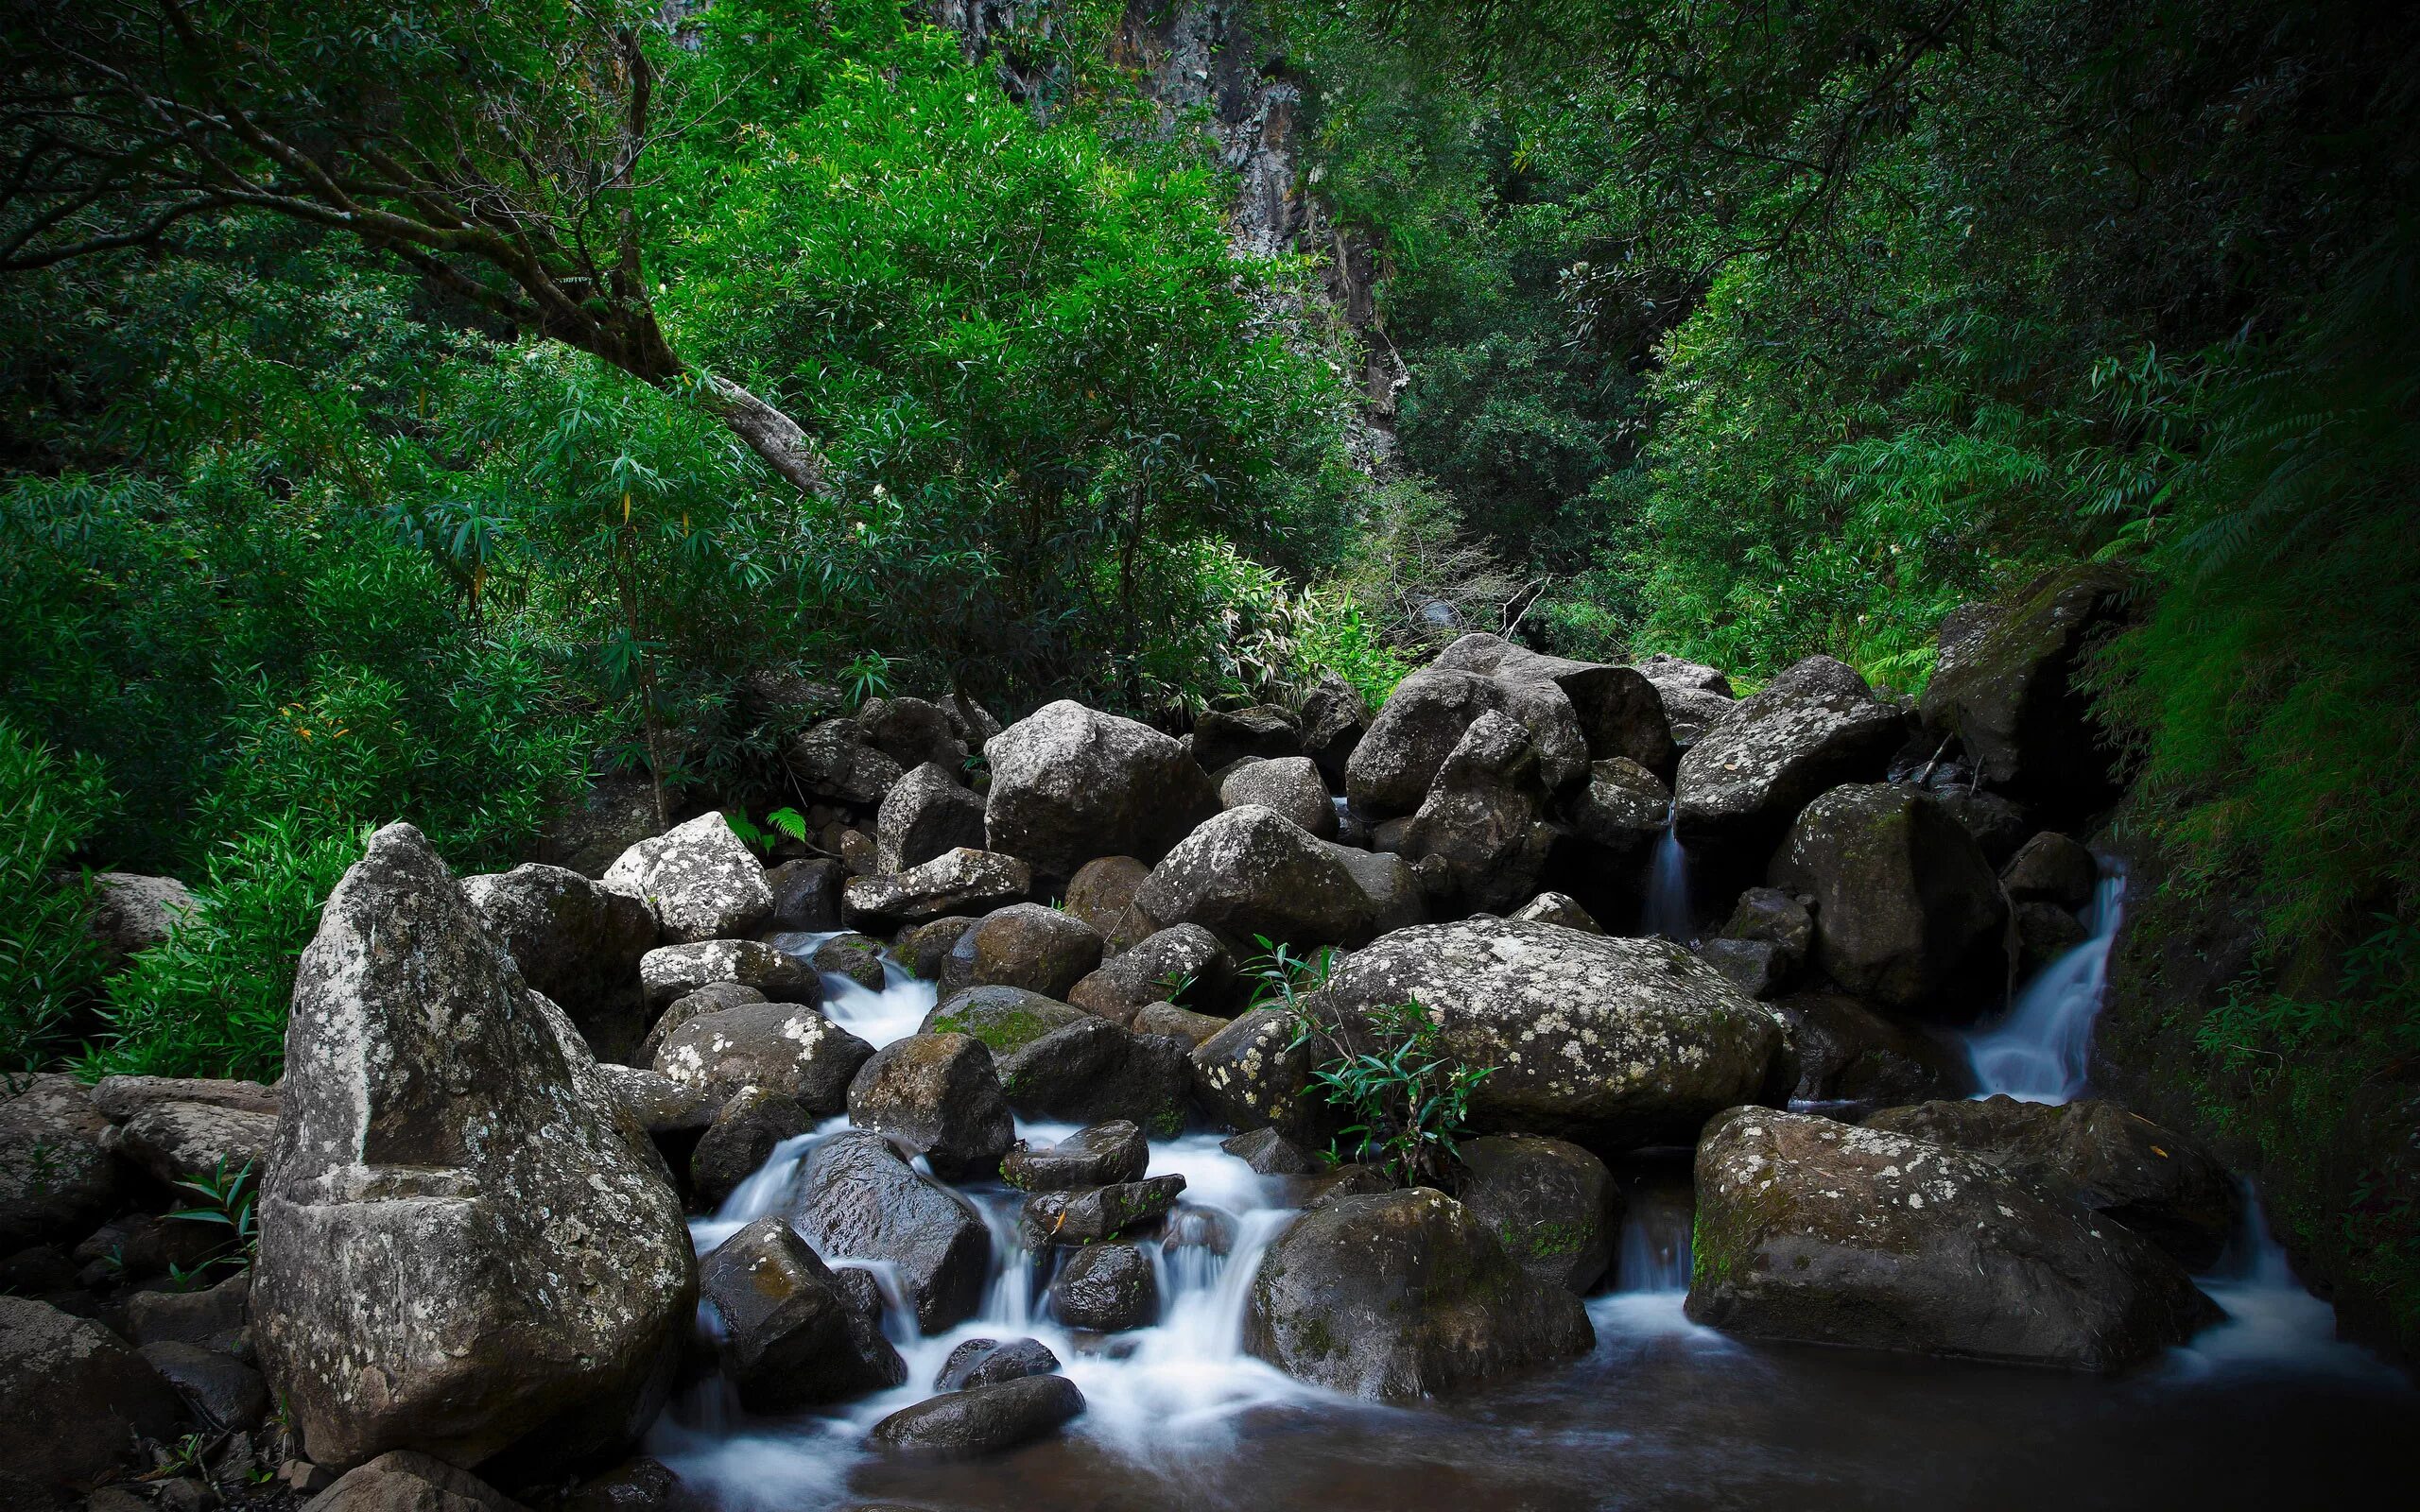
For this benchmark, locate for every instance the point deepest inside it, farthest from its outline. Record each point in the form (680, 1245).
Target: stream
(2267, 1406)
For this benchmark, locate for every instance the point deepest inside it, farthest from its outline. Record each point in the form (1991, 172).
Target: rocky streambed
(965, 1166)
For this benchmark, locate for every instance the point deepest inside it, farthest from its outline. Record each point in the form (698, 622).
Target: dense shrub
(50, 964)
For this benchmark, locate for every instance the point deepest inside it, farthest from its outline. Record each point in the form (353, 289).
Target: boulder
(1999, 825)
(1262, 732)
(1619, 712)
(929, 812)
(2006, 684)
(982, 1420)
(1168, 1020)
(211, 1316)
(989, 1361)
(1269, 1153)
(2051, 869)
(956, 882)
(73, 1400)
(1673, 672)
(222, 1392)
(1485, 817)
(1423, 720)
(669, 972)
(1908, 913)
(405, 1481)
(1622, 807)
(782, 1047)
(1101, 890)
(657, 1103)
(914, 732)
(1691, 711)
(1755, 966)
(638, 1484)
(1106, 1288)
(1847, 1053)
(1812, 728)
(858, 957)
(741, 1137)
(1099, 1155)
(1250, 874)
(1772, 917)
(1404, 1294)
(1397, 893)
(1289, 785)
(1006, 1018)
(1093, 1213)
(1031, 946)
(1253, 1075)
(701, 880)
(1334, 718)
(576, 940)
(1069, 784)
(2094, 1153)
(1827, 1233)
(792, 1337)
(834, 760)
(1092, 1070)
(131, 912)
(464, 1248)
(860, 856)
(138, 1245)
(122, 1097)
(1182, 961)
(591, 833)
(807, 896)
(938, 1095)
(1612, 1044)
(2043, 933)
(856, 1197)
(1551, 1204)
(925, 948)
(712, 998)
(195, 1141)
(56, 1179)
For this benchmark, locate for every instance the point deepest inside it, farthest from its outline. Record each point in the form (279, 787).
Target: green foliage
(222, 1200)
(50, 964)
(1408, 1097)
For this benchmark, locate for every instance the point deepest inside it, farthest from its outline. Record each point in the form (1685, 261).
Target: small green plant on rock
(1408, 1095)
(225, 1198)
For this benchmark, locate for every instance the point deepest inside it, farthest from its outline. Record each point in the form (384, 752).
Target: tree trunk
(768, 433)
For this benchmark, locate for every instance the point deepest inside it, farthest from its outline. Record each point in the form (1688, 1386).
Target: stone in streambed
(983, 1420)
(712, 998)
(405, 1481)
(1404, 1294)
(807, 896)
(577, 941)
(962, 881)
(224, 1393)
(1485, 818)
(1557, 908)
(858, 957)
(57, 1177)
(1847, 1053)
(1106, 1288)
(1102, 1155)
(1335, 716)
(2007, 683)
(1092, 1070)
(1252, 872)
(73, 1402)
(857, 1196)
(925, 948)
(1096, 1214)
(1255, 1075)
(671, 972)
(1823, 1232)
(938, 1095)
(791, 1336)
(928, 814)
(1551, 1204)
(2051, 869)
(1168, 1020)
(699, 879)
(1070, 783)
(989, 1361)
(1006, 1018)
(783, 1047)
(1031, 946)
(1101, 890)
(741, 1137)
(1262, 732)
(1423, 720)
(1269, 1153)
(1814, 727)
(1290, 785)
(1183, 961)
(1618, 710)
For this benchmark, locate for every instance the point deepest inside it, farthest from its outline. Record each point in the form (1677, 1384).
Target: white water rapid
(2038, 1052)
(1667, 889)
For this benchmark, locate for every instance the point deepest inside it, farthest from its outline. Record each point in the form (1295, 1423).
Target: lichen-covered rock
(1252, 872)
(981, 1421)
(1334, 718)
(1692, 712)
(1619, 712)
(56, 1179)
(1290, 785)
(782, 1047)
(699, 879)
(576, 940)
(1812, 728)
(1222, 737)
(834, 760)
(1847, 1053)
(858, 957)
(1622, 807)
(712, 998)
(1908, 913)
(914, 732)
(73, 1400)
(2157, 1182)
(2006, 684)
(925, 948)
(1404, 1294)
(465, 1247)
(1269, 1153)
(2051, 869)
(1398, 889)
(406, 1481)
(672, 972)
(938, 1095)
(194, 1141)
(1069, 784)
(1828, 1234)
(989, 1361)
(1031, 946)
(1092, 1070)
(1485, 817)
(122, 1097)
(928, 812)
(1184, 960)
(1095, 1213)
(1776, 917)
(657, 1103)
(1611, 1043)
(131, 912)
(792, 1337)
(1107, 1288)
(1551, 1204)
(1168, 1020)
(740, 1140)
(1101, 890)
(1006, 1018)
(593, 832)
(954, 882)
(1671, 671)
(1423, 720)
(856, 1197)
(1100, 1155)
(1252, 1074)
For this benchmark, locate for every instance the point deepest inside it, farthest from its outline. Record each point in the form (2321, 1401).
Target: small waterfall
(1653, 1253)
(876, 1018)
(1667, 889)
(2271, 1320)
(2038, 1052)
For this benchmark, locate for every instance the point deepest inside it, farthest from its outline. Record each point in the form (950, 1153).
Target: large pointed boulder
(465, 1248)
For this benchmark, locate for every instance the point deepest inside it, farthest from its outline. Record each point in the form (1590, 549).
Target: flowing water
(2040, 1051)
(2266, 1409)
(1666, 912)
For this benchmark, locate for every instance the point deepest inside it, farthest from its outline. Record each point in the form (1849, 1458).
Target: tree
(500, 148)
